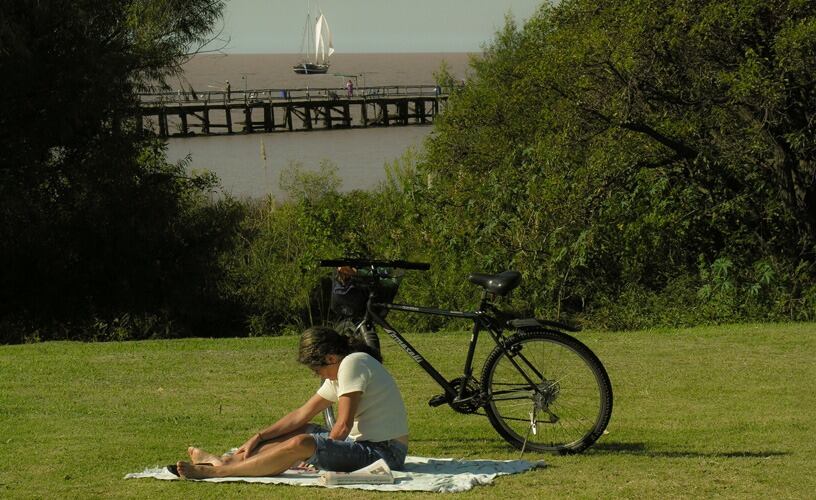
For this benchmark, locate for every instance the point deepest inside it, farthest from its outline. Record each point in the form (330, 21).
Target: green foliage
(640, 163)
(606, 150)
(276, 271)
(95, 225)
(147, 248)
(444, 79)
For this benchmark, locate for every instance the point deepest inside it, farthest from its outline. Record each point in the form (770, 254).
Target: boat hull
(310, 69)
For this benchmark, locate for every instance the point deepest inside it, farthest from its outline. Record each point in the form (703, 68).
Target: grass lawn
(727, 411)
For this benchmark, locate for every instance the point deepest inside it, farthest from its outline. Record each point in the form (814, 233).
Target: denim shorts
(349, 455)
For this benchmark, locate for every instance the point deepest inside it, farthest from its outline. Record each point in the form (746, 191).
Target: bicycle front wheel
(547, 392)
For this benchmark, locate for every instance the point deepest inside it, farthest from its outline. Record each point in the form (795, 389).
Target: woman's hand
(248, 448)
(345, 273)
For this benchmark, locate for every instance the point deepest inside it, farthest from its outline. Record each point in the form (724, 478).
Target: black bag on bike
(348, 300)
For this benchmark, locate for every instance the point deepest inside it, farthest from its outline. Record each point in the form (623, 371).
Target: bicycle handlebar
(397, 264)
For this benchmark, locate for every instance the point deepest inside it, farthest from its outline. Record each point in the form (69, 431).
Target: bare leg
(199, 456)
(270, 463)
(268, 445)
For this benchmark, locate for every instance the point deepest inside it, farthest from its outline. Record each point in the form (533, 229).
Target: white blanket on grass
(420, 474)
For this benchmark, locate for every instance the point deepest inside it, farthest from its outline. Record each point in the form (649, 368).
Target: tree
(92, 217)
(723, 89)
(618, 144)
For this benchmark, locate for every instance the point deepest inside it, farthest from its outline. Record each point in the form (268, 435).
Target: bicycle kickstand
(531, 429)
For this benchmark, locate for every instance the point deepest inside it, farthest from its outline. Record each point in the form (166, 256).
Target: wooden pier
(287, 110)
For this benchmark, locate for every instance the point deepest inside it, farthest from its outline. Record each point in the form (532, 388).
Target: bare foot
(190, 471)
(199, 456)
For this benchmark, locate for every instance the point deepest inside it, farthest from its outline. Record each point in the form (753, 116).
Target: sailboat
(315, 57)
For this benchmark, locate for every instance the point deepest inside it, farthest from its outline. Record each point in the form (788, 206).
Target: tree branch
(681, 149)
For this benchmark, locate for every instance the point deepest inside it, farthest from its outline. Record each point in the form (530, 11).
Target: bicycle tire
(348, 327)
(573, 392)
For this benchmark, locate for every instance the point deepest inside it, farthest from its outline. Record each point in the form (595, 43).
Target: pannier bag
(348, 300)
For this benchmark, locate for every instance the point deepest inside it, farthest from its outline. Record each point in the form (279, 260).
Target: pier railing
(189, 113)
(284, 94)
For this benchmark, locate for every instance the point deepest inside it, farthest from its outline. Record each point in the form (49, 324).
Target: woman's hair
(319, 341)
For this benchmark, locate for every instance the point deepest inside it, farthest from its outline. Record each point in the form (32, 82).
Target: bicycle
(540, 388)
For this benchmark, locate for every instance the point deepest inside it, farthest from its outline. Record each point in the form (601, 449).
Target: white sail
(324, 46)
(320, 49)
(328, 38)
(317, 61)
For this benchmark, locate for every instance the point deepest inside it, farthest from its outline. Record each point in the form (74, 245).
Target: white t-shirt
(381, 414)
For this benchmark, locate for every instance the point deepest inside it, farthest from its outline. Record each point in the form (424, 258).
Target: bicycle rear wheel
(547, 392)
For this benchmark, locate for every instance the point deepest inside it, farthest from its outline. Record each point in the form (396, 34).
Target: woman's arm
(291, 422)
(346, 411)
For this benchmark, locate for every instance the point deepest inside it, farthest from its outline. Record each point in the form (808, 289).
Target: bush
(152, 250)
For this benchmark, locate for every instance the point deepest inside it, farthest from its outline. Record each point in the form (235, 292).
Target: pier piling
(315, 109)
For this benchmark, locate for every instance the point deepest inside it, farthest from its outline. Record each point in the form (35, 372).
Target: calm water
(208, 72)
(250, 165)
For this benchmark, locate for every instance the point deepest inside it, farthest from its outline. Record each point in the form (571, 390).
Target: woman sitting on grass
(371, 420)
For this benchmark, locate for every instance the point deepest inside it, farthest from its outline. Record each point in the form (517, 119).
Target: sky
(365, 26)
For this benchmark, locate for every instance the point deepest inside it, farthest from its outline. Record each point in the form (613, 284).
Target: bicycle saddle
(500, 284)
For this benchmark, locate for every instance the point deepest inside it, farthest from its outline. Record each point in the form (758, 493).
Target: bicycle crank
(470, 401)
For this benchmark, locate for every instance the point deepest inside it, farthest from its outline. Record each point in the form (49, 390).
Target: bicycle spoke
(526, 405)
(564, 398)
(519, 398)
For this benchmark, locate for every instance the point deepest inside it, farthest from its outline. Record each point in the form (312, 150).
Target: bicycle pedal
(438, 400)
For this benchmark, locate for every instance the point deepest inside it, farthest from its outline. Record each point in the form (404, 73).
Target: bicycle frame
(481, 321)
(527, 345)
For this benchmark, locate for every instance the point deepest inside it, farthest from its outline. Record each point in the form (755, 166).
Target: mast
(308, 35)
(317, 45)
(305, 42)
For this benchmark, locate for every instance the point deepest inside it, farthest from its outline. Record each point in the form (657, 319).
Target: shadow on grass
(642, 449)
(465, 444)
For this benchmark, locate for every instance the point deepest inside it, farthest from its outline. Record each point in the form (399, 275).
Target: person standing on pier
(227, 91)
(350, 88)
